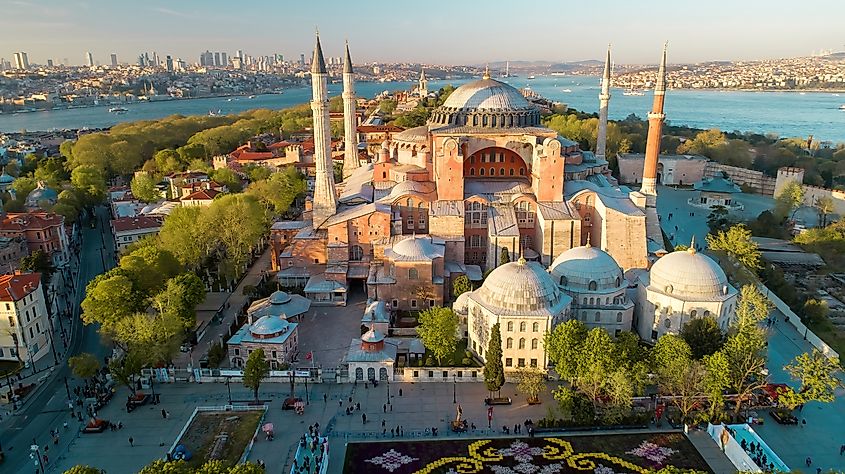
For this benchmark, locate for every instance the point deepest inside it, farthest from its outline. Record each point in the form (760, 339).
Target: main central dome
(486, 103)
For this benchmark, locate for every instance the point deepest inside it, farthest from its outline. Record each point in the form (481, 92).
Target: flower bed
(608, 454)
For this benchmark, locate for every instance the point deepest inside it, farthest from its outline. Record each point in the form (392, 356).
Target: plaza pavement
(421, 406)
(327, 331)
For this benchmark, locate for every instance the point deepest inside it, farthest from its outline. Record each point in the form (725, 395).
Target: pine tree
(494, 373)
(505, 256)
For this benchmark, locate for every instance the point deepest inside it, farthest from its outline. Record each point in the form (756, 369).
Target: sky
(424, 31)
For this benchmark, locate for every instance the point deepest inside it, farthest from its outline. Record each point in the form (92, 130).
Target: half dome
(689, 274)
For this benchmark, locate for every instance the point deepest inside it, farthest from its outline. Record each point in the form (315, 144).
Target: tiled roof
(125, 224)
(202, 195)
(13, 287)
(29, 221)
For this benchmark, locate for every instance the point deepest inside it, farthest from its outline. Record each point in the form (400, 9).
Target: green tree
(255, 371)
(816, 375)
(183, 236)
(530, 382)
(718, 219)
(438, 330)
(150, 267)
(180, 297)
(461, 285)
(216, 355)
(494, 371)
(815, 311)
(23, 186)
(387, 106)
(595, 365)
(126, 369)
(90, 183)
(143, 187)
(237, 222)
(562, 344)
(80, 469)
(156, 336)
(39, 262)
(790, 198)
(737, 243)
(109, 298)
(504, 256)
(169, 161)
(280, 190)
(84, 365)
(257, 173)
(52, 171)
(679, 375)
(703, 336)
(825, 207)
(228, 178)
(744, 349)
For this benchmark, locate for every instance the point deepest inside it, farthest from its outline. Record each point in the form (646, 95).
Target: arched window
(413, 274)
(535, 327)
(693, 314)
(598, 316)
(592, 301)
(707, 314)
(359, 373)
(511, 171)
(522, 326)
(409, 203)
(593, 285)
(371, 373)
(501, 171)
(510, 326)
(618, 317)
(534, 343)
(492, 171)
(356, 253)
(509, 343)
(472, 171)
(667, 323)
(618, 282)
(585, 300)
(562, 280)
(481, 171)
(522, 171)
(382, 373)
(522, 343)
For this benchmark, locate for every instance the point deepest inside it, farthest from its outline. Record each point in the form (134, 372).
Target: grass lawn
(832, 335)
(455, 359)
(630, 453)
(200, 436)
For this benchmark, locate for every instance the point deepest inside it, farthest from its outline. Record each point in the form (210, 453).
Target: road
(48, 408)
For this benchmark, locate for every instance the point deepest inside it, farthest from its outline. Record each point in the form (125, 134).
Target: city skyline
(95, 26)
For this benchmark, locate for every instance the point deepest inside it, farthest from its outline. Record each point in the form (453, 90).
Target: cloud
(169, 12)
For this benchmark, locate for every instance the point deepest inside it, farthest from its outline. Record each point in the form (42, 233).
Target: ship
(633, 92)
(212, 113)
(842, 107)
(118, 110)
(530, 77)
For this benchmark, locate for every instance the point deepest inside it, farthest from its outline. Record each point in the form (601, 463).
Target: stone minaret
(423, 86)
(655, 131)
(350, 125)
(604, 100)
(325, 198)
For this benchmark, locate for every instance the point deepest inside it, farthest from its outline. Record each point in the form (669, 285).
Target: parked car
(290, 403)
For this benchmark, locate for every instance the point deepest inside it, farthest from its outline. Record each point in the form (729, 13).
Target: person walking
(841, 449)
(384, 408)
(364, 418)
(132, 443)
(808, 461)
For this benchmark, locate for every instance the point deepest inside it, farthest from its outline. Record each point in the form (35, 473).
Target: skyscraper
(224, 60)
(302, 59)
(169, 64)
(49, 63)
(89, 59)
(113, 59)
(21, 61)
(217, 59)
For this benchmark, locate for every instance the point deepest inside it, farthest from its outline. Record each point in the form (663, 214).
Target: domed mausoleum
(41, 198)
(682, 286)
(526, 302)
(597, 286)
(275, 334)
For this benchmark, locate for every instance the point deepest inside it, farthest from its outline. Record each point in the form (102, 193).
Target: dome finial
(521, 260)
(486, 72)
(588, 244)
(691, 248)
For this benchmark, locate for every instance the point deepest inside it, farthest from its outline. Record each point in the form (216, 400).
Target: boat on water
(566, 90)
(251, 97)
(212, 113)
(633, 92)
(842, 107)
(531, 77)
(118, 110)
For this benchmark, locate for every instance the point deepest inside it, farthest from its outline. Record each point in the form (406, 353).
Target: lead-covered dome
(486, 103)
(415, 249)
(521, 288)
(689, 274)
(587, 268)
(41, 197)
(268, 327)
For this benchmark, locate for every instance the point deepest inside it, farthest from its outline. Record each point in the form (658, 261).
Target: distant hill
(542, 66)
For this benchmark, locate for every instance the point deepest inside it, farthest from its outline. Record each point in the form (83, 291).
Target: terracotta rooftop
(202, 194)
(21, 221)
(15, 286)
(125, 224)
(379, 128)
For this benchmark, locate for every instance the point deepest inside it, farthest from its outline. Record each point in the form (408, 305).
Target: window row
(519, 362)
(509, 343)
(535, 326)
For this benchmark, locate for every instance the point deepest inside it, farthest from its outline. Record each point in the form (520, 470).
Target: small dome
(269, 326)
(6, 179)
(460, 304)
(578, 267)
(279, 297)
(372, 336)
(521, 287)
(40, 195)
(417, 248)
(415, 134)
(687, 273)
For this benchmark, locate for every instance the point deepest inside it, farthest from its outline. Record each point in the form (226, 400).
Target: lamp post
(388, 392)
(228, 389)
(454, 389)
(307, 399)
(67, 388)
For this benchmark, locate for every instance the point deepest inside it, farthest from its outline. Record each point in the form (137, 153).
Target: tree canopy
(279, 190)
(494, 372)
(737, 243)
(255, 371)
(438, 330)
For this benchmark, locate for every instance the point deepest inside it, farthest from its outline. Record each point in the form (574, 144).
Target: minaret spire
(655, 130)
(604, 101)
(350, 119)
(325, 196)
(423, 85)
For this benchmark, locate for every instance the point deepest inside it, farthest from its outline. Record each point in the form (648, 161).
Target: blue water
(782, 113)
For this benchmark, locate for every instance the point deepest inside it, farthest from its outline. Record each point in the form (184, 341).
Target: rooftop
(126, 224)
(14, 287)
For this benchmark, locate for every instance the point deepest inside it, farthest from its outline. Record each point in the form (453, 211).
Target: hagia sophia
(484, 175)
